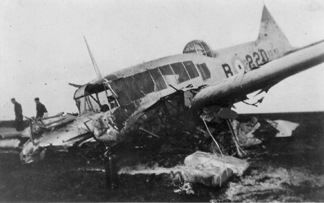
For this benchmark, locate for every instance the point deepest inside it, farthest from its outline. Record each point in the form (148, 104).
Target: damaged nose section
(104, 129)
(31, 153)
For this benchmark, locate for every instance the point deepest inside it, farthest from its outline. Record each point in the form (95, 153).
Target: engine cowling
(199, 47)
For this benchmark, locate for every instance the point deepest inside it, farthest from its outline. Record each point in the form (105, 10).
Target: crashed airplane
(199, 83)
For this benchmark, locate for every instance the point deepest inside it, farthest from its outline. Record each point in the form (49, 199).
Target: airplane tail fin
(269, 30)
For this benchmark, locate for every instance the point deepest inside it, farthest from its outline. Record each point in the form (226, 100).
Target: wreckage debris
(169, 120)
(208, 169)
(253, 131)
(58, 132)
(61, 132)
(186, 188)
(285, 128)
(204, 159)
(200, 167)
(210, 176)
(244, 132)
(9, 144)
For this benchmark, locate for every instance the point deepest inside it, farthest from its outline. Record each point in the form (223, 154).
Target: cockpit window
(121, 91)
(131, 88)
(168, 75)
(158, 79)
(180, 72)
(81, 104)
(193, 73)
(204, 71)
(92, 104)
(95, 98)
(144, 82)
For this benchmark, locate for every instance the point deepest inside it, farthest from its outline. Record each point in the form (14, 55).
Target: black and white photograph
(161, 101)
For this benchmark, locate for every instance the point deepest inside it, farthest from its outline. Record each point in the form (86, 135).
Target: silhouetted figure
(41, 111)
(19, 123)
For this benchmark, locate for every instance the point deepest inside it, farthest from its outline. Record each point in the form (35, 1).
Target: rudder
(269, 30)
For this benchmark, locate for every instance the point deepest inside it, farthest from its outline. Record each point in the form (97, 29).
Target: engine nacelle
(199, 47)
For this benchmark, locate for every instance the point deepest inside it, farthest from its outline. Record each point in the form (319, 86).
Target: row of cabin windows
(137, 86)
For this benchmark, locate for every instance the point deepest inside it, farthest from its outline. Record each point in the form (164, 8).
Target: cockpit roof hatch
(199, 47)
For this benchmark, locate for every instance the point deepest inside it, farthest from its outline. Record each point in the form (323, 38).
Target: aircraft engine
(199, 47)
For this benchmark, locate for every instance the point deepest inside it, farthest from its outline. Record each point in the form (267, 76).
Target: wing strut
(93, 60)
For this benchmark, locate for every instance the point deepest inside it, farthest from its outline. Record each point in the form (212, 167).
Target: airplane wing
(231, 89)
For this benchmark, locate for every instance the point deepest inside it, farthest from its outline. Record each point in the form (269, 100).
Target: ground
(281, 169)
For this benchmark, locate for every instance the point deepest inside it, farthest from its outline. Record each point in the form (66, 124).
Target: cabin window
(131, 88)
(168, 75)
(204, 71)
(102, 97)
(180, 72)
(95, 98)
(78, 103)
(144, 82)
(81, 104)
(193, 73)
(106, 100)
(86, 104)
(92, 103)
(158, 79)
(121, 91)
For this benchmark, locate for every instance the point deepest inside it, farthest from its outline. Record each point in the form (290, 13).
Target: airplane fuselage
(135, 89)
(121, 102)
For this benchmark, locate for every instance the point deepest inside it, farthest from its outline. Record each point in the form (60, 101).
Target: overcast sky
(42, 47)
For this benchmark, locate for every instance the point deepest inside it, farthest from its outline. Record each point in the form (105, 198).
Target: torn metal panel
(204, 159)
(244, 132)
(10, 133)
(9, 143)
(188, 95)
(285, 128)
(60, 132)
(208, 169)
(209, 176)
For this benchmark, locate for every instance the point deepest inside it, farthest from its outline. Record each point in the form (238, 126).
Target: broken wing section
(231, 89)
(58, 132)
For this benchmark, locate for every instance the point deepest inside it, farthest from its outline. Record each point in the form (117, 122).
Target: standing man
(19, 124)
(41, 111)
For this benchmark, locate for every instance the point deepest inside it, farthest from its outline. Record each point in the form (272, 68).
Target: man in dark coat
(19, 123)
(41, 111)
